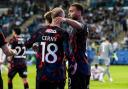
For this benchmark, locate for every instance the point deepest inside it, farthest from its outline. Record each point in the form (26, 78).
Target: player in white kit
(97, 72)
(105, 51)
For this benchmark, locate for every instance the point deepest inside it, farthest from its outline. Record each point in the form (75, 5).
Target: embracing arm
(73, 23)
(29, 43)
(8, 51)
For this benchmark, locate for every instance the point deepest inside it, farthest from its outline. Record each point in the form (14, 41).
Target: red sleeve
(2, 39)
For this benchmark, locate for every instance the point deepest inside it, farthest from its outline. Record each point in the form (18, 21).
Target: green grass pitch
(119, 75)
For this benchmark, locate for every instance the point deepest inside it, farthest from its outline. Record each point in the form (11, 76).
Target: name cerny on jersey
(51, 47)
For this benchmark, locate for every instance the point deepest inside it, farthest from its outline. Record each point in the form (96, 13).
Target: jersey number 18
(45, 57)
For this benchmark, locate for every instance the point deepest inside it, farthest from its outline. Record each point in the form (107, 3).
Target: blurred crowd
(102, 21)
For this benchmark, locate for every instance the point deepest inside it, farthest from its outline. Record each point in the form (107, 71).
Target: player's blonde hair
(47, 16)
(57, 12)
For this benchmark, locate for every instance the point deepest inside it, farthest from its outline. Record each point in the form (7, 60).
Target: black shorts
(78, 81)
(22, 71)
(51, 85)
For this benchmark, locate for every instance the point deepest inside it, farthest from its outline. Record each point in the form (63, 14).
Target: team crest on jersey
(50, 31)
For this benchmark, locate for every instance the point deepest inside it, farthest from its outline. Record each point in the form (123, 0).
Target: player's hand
(73, 68)
(59, 20)
(9, 66)
(35, 47)
(14, 52)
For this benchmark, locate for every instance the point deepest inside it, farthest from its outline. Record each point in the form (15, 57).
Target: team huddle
(54, 46)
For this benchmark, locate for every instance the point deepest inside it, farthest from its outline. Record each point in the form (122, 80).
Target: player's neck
(80, 18)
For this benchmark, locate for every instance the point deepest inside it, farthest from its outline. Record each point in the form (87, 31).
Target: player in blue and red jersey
(52, 48)
(78, 43)
(17, 63)
(48, 20)
(78, 35)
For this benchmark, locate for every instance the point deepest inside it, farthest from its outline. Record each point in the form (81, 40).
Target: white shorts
(106, 60)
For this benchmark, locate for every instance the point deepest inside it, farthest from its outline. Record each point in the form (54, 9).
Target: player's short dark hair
(57, 12)
(47, 16)
(109, 39)
(17, 30)
(78, 7)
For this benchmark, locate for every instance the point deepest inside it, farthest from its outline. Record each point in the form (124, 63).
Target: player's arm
(110, 48)
(77, 25)
(73, 23)
(7, 50)
(35, 46)
(9, 59)
(29, 43)
(70, 57)
(4, 46)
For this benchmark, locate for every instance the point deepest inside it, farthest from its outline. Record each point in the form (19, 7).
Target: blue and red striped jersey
(17, 43)
(78, 39)
(52, 48)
